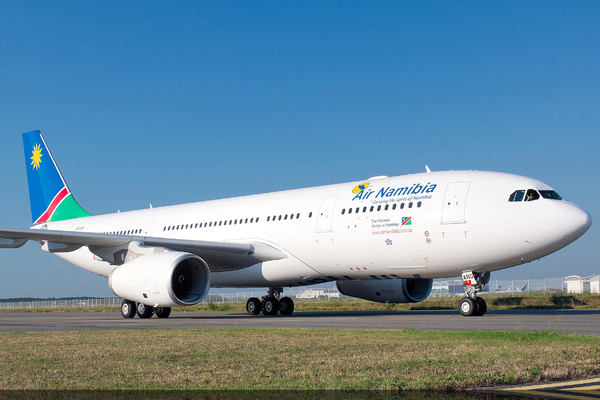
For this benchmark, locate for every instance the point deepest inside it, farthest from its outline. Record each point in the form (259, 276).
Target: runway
(584, 322)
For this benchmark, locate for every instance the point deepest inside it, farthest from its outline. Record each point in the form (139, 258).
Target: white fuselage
(429, 225)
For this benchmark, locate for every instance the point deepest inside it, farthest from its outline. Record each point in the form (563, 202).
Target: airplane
(511, 289)
(382, 239)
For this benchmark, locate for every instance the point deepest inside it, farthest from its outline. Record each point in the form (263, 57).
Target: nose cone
(573, 221)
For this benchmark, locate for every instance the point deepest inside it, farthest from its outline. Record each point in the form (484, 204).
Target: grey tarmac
(578, 321)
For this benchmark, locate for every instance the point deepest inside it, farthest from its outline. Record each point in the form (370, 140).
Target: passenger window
(357, 210)
(532, 195)
(310, 214)
(279, 218)
(410, 205)
(285, 216)
(364, 209)
(394, 206)
(349, 211)
(268, 218)
(256, 219)
(251, 220)
(517, 195)
(343, 211)
(379, 208)
(419, 204)
(387, 206)
(402, 206)
(297, 215)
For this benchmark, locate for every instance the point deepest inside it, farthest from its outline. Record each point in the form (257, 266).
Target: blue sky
(173, 102)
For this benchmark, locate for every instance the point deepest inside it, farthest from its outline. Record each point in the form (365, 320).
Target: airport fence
(441, 288)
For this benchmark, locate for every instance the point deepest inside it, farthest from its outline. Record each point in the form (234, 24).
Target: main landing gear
(472, 305)
(271, 304)
(130, 308)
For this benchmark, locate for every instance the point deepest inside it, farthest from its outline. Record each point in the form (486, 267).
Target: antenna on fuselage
(427, 169)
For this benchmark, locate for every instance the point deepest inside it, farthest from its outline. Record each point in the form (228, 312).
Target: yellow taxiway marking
(555, 385)
(583, 389)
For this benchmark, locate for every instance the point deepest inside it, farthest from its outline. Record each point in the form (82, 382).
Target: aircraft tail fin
(523, 288)
(49, 195)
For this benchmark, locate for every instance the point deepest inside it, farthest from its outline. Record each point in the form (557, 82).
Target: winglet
(49, 195)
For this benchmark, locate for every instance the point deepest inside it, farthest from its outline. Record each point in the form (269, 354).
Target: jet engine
(166, 279)
(387, 291)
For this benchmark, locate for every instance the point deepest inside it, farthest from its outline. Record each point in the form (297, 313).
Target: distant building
(316, 293)
(595, 283)
(580, 284)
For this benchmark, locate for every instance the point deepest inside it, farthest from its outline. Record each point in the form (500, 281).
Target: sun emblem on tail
(36, 158)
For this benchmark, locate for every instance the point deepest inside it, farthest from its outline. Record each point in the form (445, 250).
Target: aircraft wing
(220, 256)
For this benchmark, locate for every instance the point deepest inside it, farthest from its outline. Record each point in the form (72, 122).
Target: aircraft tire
(253, 306)
(467, 307)
(270, 306)
(162, 312)
(286, 306)
(128, 309)
(145, 311)
(481, 307)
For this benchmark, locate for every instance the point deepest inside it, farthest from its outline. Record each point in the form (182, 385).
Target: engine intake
(167, 279)
(387, 291)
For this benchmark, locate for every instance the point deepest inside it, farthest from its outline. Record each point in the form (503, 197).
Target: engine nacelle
(387, 291)
(167, 279)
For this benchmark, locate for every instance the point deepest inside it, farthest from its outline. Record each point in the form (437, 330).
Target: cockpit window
(550, 194)
(517, 195)
(532, 195)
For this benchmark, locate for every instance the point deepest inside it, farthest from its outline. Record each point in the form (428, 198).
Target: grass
(242, 359)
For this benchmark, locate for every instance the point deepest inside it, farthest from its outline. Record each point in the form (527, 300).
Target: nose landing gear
(471, 305)
(271, 304)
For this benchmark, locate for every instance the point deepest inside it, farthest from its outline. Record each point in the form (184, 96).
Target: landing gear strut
(473, 305)
(271, 304)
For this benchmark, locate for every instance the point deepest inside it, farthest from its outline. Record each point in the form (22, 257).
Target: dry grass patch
(290, 359)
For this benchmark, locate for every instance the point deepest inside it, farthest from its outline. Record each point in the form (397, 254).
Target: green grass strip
(242, 359)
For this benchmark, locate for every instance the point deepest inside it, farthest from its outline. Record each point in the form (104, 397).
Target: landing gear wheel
(145, 311)
(253, 306)
(128, 309)
(467, 306)
(162, 312)
(270, 306)
(286, 306)
(481, 307)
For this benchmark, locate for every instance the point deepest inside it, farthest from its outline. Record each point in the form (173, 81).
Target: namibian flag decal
(406, 220)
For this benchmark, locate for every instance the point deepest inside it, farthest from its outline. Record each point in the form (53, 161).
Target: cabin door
(455, 201)
(325, 215)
